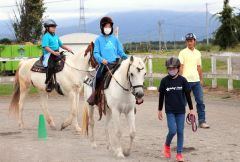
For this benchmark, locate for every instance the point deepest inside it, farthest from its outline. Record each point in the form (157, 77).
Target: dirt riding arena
(218, 144)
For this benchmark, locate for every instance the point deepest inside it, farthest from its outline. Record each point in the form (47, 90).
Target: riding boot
(91, 99)
(49, 80)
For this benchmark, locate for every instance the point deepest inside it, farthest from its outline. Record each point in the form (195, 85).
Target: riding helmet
(190, 36)
(106, 20)
(50, 23)
(172, 62)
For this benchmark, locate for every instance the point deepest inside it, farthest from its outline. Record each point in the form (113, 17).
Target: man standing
(191, 69)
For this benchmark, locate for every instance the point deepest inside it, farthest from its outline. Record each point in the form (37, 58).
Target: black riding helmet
(172, 62)
(190, 36)
(106, 20)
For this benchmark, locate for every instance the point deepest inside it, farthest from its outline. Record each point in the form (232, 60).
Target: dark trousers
(50, 68)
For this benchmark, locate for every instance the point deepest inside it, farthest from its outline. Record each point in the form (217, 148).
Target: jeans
(198, 95)
(175, 124)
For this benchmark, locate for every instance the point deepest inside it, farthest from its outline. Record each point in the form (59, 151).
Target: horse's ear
(131, 59)
(145, 59)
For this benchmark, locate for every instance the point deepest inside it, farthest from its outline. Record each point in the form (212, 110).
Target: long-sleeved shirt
(175, 91)
(108, 48)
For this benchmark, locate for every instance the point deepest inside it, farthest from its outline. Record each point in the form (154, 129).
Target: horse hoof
(120, 155)
(21, 126)
(126, 152)
(78, 129)
(53, 127)
(62, 127)
(94, 145)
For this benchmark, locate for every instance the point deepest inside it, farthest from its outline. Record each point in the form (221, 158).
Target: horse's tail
(14, 104)
(85, 119)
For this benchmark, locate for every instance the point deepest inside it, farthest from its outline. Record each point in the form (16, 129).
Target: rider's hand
(160, 115)
(105, 62)
(56, 53)
(70, 50)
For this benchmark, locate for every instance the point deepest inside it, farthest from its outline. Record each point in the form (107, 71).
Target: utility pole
(207, 37)
(82, 20)
(160, 31)
(174, 39)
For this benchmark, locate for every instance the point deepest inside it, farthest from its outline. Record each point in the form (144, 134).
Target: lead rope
(191, 120)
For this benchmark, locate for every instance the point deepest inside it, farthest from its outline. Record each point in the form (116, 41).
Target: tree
(27, 23)
(238, 27)
(5, 41)
(226, 35)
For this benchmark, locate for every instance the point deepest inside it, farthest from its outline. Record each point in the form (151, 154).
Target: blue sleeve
(60, 42)
(120, 50)
(97, 52)
(45, 41)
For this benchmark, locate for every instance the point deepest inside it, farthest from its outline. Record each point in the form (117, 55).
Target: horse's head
(136, 74)
(92, 62)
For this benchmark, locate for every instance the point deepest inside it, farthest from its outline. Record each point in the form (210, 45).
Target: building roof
(78, 38)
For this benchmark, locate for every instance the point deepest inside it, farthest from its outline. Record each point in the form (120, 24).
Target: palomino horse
(126, 86)
(70, 80)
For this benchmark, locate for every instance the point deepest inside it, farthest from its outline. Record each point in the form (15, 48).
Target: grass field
(159, 65)
(7, 89)
(222, 83)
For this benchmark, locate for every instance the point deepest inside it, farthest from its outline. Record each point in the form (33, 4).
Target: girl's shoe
(179, 157)
(167, 151)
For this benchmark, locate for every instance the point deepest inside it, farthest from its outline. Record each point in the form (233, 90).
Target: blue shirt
(108, 48)
(51, 41)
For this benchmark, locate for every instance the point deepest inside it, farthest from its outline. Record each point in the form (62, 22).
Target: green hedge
(12, 51)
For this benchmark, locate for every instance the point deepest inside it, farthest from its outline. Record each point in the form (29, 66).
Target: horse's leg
(91, 125)
(107, 121)
(132, 130)
(116, 122)
(73, 111)
(44, 105)
(75, 117)
(23, 92)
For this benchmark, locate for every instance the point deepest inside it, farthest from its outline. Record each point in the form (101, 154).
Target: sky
(95, 8)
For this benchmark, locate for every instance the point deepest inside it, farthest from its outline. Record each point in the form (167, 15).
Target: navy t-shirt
(174, 93)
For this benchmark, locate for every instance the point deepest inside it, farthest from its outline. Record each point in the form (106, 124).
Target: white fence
(150, 75)
(212, 75)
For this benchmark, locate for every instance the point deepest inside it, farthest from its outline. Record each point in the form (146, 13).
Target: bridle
(132, 87)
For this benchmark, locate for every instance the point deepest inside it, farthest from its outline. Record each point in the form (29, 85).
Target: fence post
(230, 80)
(214, 71)
(150, 71)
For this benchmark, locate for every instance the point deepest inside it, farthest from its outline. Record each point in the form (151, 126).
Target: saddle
(59, 65)
(100, 99)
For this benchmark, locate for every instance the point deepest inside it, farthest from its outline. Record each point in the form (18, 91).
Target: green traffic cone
(42, 132)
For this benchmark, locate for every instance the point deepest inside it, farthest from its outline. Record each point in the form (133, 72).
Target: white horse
(124, 89)
(70, 80)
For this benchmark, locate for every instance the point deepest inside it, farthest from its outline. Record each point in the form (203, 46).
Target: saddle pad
(38, 66)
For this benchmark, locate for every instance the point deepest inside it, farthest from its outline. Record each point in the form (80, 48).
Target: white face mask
(173, 72)
(107, 31)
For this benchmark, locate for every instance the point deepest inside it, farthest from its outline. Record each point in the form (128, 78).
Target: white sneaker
(204, 125)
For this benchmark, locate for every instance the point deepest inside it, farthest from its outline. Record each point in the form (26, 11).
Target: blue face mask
(173, 72)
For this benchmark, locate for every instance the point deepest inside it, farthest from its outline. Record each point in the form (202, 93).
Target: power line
(49, 2)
